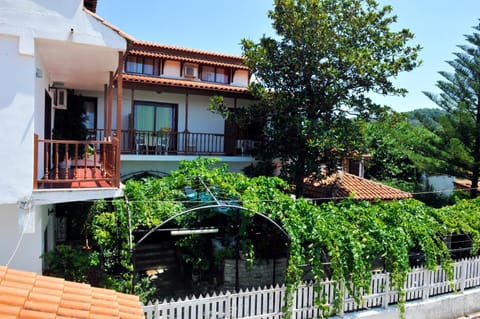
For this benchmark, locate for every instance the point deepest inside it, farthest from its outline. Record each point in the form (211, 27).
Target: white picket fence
(268, 303)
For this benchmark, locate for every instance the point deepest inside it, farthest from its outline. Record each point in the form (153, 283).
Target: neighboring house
(440, 184)
(28, 295)
(350, 182)
(461, 184)
(146, 108)
(342, 185)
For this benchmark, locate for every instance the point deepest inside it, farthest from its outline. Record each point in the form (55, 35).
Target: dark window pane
(148, 66)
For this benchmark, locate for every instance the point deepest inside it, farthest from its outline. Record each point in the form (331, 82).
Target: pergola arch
(220, 206)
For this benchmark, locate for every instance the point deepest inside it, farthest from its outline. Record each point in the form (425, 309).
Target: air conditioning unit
(60, 99)
(190, 71)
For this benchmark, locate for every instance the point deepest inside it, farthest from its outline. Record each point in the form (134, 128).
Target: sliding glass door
(155, 120)
(153, 117)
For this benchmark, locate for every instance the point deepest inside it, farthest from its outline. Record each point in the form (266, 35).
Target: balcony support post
(119, 116)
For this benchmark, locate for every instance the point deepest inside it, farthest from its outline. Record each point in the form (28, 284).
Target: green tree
(327, 56)
(457, 140)
(392, 143)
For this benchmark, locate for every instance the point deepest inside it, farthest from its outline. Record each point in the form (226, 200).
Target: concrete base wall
(450, 306)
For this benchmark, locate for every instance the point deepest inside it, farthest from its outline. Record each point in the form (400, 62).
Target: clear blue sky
(218, 25)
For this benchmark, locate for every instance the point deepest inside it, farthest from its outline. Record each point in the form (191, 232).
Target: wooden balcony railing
(134, 141)
(76, 164)
(188, 143)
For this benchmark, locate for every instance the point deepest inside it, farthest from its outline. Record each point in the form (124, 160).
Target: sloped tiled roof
(175, 52)
(341, 185)
(207, 86)
(186, 52)
(189, 58)
(28, 295)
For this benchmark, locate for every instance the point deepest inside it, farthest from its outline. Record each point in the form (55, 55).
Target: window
(222, 75)
(148, 66)
(208, 74)
(131, 65)
(214, 74)
(90, 120)
(142, 65)
(151, 117)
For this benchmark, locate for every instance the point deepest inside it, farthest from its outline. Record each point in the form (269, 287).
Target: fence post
(463, 276)
(386, 291)
(426, 283)
(228, 305)
(343, 289)
(294, 304)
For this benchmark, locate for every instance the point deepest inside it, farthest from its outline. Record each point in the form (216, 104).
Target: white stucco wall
(17, 117)
(30, 244)
(27, 29)
(240, 78)
(171, 69)
(53, 20)
(200, 119)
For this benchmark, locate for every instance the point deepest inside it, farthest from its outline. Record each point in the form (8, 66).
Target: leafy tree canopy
(326, 57)
(456, 141)
(392, 143)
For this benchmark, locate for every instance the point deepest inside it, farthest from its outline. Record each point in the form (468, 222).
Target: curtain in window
(145, 117)
(222, 75)
(163, 117)
(153, 117)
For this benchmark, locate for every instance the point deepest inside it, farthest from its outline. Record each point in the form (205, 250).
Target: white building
(146, 109)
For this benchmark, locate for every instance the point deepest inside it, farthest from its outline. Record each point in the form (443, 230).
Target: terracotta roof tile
(156, 46)
(28, 295)
(341, 185)
(185, 84)
(187, 58)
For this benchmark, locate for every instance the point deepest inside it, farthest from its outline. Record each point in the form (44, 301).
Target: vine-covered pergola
(342, 241)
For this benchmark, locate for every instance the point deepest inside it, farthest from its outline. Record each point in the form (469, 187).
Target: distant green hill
(427, 117)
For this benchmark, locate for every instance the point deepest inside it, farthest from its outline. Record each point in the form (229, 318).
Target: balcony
(141, 142)
(76, 164)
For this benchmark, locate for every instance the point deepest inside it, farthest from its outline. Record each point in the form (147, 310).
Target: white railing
(269, 302)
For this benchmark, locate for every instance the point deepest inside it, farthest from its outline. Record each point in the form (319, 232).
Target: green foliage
(392, 144)
(426, 117)
(342, 241)
(456, 141)
(315, 74)
(71, 263)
